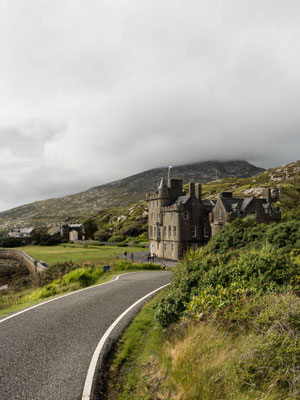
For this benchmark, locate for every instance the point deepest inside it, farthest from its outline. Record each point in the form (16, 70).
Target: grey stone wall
(23, 259)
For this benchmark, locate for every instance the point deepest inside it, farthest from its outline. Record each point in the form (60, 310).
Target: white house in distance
(21, 232)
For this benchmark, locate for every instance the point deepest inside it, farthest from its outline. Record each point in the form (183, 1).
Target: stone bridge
(23, 259)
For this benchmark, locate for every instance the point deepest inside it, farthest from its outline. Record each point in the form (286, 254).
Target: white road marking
(60, 297)
(86, 394)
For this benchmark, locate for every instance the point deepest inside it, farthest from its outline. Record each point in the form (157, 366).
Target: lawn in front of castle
(77, 253)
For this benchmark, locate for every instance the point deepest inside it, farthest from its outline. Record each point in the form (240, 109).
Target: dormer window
(269, 211)
(219, 214)
(254, 214)
(186, 215)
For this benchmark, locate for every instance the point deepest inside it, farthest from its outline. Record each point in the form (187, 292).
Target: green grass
(247, 353)
(63, 278)
(76, 253)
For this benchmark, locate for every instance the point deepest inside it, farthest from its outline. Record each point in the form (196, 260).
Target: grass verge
(245, 353)
(63, 278)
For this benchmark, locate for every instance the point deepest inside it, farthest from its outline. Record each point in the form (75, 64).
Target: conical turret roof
(162, 184)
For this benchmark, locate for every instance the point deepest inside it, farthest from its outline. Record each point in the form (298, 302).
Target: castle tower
(163, 193)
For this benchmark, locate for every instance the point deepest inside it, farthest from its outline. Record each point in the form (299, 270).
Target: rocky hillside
(284, 182)
(130, 223)
(119, 193)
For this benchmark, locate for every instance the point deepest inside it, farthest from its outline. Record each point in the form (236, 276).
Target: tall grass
(61, 278)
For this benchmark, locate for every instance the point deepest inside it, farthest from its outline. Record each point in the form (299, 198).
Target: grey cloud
(95, 91)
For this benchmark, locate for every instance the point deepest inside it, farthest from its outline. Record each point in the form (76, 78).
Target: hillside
(129, 223)
(119, 193)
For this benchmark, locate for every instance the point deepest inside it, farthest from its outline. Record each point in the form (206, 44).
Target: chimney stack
(198, 191)
(192, 189)
(267, 194)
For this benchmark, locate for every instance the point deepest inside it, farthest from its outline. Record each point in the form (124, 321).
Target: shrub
(124, 265)
(103, 235)
(133, 229)
(210, 275)
(83, 276)
(116, 238)
(10, 242)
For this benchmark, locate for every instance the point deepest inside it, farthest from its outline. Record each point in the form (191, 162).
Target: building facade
(72, 231)
(179, 221)
(228, 208)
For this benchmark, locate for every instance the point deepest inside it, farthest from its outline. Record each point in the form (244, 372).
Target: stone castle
(179, 221)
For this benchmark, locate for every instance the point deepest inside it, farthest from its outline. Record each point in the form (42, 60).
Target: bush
(83, 276)
(133, 229)
(246, 233)
(208, 276)
(124, 265)
(10, 242)
(103, 235)
(116, 238)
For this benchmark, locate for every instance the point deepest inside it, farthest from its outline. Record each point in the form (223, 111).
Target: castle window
(194, 232)
(172, 247)
(150, 230)
(165, 231)
(206, 232)
(165, 246)
(174, 232)
(158, 231)
(154, 230)
(254, 214)
(219, 214)
(170, 232)
(186, 215)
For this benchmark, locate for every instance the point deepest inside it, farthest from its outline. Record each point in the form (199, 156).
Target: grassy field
(76, 253)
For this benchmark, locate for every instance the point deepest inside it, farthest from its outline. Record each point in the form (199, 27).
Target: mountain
(130, 223)
(119, 193)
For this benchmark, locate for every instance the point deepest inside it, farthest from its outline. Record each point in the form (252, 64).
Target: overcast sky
(96, 90)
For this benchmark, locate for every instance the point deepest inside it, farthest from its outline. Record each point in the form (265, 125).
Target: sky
(97, 90)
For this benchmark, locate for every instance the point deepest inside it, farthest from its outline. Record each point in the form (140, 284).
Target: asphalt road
(45, 353)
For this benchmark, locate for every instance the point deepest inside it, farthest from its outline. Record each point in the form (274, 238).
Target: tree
(90, 227)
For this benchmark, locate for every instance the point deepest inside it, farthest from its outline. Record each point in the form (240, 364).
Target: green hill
(122, 223)
(120, 193)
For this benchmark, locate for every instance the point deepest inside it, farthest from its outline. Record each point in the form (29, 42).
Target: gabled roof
(209, 204)
(230, 203)
(246, 203)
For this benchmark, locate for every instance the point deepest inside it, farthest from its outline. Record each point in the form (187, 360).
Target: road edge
(94, 379)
